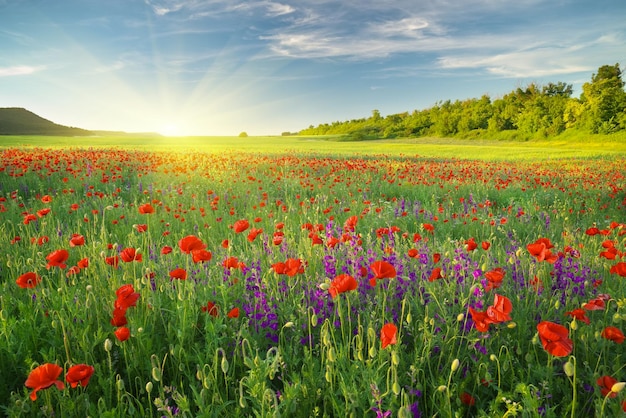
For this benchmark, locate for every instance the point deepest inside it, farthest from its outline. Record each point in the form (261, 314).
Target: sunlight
(171, 129)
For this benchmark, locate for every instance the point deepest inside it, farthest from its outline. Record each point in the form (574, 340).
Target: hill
(19, 121)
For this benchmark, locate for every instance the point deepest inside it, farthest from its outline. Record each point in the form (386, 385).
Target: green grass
(569, 145)
(295, 351)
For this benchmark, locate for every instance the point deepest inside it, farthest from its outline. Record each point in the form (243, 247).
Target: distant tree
(604, 100)
(243, 135)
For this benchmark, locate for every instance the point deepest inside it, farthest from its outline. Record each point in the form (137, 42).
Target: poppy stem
(65, 340)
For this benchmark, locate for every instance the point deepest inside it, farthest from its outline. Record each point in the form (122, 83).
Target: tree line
(533, 111)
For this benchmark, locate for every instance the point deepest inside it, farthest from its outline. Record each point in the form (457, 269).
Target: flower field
(138, 283)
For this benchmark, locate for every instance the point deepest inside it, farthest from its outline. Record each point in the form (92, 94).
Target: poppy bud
(455, 365)
(108, 345)
(442, 388)
(573, 325)
(617, 387)
(224, 365)
(460, 317)
(569, 369)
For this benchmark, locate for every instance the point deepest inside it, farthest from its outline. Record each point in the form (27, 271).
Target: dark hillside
(19, 121)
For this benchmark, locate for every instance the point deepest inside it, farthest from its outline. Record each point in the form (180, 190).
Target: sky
(221, 67)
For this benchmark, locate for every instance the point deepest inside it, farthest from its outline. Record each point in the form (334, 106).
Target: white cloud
(18, 70)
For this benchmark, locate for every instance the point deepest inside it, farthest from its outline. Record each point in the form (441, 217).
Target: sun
(171, 129)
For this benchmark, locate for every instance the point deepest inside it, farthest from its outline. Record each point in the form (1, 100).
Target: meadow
(312, 277)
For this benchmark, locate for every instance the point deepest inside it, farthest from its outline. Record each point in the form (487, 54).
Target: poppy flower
(595, 304)
(467, 399)
(341, 284)
(435, 274)
(79, 373)
(233, 263)
(470, 245)
(382, 270)
(43, 377)
(494, 278)
(119, 317)
(500, 310)
(46, 199)
(57, 258)
(28, 280)
(241, 225)
(77, 240)
(350, 224)
(146, 208)
(211, 308)
(540, 249)
(126, 296)
(580, 314)
(130, 254)
(254, 232)
(481, 320)
(83, 263)
(614, 334)
(233, 313)
(122, 333)
(554, 338)
(166, 249)
(112, 261)
(606, 383)
(413, 253)
(619, 269)
(179, 273)
(485, 245)
(43, 212)
(388, 335)
(191, 243)
(200, 256)
(141, 227)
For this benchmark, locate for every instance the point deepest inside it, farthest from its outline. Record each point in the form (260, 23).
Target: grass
(568, 145)
(293, 349)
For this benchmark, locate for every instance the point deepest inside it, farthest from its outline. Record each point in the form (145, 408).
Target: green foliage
(18, 121)
(533, 112)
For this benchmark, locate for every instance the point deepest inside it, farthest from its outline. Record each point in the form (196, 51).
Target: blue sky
(217, 67)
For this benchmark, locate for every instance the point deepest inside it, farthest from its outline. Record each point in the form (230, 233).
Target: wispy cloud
(18, 70)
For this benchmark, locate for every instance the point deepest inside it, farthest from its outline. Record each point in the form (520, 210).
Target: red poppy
(341, 284)
(554, 338)
(382, 270)
(166, 249)
(112, 261)
(122, 333)
(179, 273)
(126, 296)
(467, 399)
(254, 232)
(429, 227)
(233, 263)
(83, 263)
(388, 335)
(436, 258)
(146, 208)
(293, 266)
(43, 377)
(614, 334)
(494, 278)
(119, 317)
(580, 314)
(470, 245)
(500, 310)
(241, 225)
(350, 224)
(46, 199)
(596, 304)
(190, 243)
(28, 218)
(130, 254)
(77, 240)
(481, 320)
(28, 280)
(485, 245)
(540, 249)
(57, 259)
(619, 269)
(200, 256)
(435, 274)
(79, 373)
(606, 383)
(141, 227)
(211, 308)
(413, 253)
(233, 313)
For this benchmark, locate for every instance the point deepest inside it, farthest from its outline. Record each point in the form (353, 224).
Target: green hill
(19, 121)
